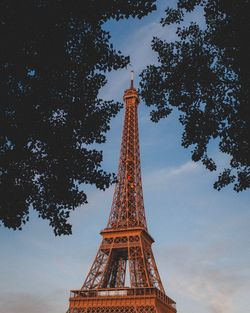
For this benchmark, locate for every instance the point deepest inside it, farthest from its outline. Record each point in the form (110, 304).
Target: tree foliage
(205, 75)
(53, 59)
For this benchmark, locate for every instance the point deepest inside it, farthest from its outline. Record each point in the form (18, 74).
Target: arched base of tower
(124, 300)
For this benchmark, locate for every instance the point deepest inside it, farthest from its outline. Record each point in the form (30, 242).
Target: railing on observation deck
(122, 292)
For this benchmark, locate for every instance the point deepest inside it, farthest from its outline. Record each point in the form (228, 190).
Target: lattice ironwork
(127, 207)
(115, 309)
(116, 253)
(126, 245)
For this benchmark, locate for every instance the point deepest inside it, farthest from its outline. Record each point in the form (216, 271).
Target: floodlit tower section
(126, 245)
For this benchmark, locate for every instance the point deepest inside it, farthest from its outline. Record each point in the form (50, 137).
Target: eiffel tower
(125, 251)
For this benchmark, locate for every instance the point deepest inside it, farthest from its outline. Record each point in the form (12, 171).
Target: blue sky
(202, 236)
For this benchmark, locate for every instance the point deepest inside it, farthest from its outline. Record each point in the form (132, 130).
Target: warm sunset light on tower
(124, 277)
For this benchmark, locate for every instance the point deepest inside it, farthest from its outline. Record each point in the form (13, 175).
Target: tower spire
(125, 249)
(132, 80)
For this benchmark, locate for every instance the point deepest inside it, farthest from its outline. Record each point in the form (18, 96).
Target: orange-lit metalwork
(126, 245)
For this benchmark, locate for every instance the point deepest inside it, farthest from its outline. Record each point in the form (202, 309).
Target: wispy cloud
(208, 264)
(206, 275)
(136, 44)
(33, 303)
(164, 174)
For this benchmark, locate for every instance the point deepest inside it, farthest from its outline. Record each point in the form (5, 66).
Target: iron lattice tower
(126, 243)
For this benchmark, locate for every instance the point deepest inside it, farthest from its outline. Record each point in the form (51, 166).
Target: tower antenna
(132, 80)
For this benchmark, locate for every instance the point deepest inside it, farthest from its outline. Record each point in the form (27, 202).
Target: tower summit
(132, 80)
(124, 277)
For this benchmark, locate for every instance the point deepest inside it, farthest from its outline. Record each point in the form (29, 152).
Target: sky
(202, 236)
